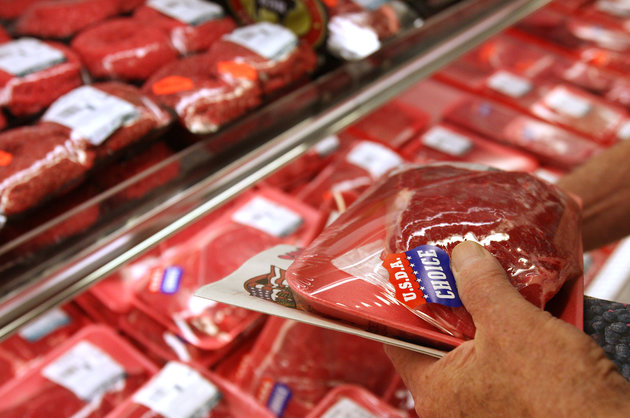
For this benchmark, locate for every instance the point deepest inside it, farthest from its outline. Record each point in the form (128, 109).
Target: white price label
(91, 113)
(327, 145)
(623, 132)
(178, 391)
(374, 158)
(447, 141)
(191, 12)
(268, 216)
(44, 325)
(86, 371)
(27, 55)
(346, 408)
(509, 84)
(266, 39)
(563, 101)
(620, 8)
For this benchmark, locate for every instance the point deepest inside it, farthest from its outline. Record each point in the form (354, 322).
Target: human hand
(522, 361)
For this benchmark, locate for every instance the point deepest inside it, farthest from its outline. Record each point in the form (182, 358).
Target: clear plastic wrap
(293, 366)
(530, 226)
(33, 74)
(124, 49)
(192, 25)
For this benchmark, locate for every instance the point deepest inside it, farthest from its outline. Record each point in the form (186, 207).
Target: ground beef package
(419, 213)
(293, 366)
(62, 19)
(33, 74)
(124, 49)
(181, 390)
(192, 25)
(88, 375)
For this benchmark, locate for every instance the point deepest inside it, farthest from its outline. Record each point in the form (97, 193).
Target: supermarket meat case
(177, 189)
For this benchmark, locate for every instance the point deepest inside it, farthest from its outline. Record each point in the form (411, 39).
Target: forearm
(603, 184)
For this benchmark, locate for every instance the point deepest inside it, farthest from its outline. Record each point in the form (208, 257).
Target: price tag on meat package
(178, 391)
(86, 371)
(423, 275)
(266, 39)
(268, 217)
(447, 141)
(564, 101)
(28, 55)
(191, 12)
(346, 408)
(509, 84)
(91, 113)
(374, 158)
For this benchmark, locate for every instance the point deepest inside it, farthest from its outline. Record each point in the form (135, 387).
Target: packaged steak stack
(192, 25)
(62, 19)
(33, 74)
(88, 375)
(124, 49)
(293, 366)
(181, 390)
(353, 399)
(210, 89)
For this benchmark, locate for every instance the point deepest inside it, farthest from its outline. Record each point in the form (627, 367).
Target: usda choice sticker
(423, 275)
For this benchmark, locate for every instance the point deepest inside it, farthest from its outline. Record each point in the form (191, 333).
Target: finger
(485, 289)
(410, 365)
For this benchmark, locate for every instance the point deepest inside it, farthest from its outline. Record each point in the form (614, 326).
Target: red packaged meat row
(91, 374)
(293, 366)
(213, 88)
(351, 400)
(87, 124)
(529, 225)
(33, 74)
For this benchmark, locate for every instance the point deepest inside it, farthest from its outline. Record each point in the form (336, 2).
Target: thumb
(485, 289)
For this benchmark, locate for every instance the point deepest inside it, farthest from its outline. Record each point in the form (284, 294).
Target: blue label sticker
(171, 279)
(432, 268)
(279, 398)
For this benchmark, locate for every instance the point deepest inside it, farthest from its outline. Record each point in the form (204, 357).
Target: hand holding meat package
(79, 129)
(408, 223)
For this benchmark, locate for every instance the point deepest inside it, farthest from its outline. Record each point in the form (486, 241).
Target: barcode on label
(266, 39)
(346, 408)
(191, 12)
(374, 158)
(447, 141)
(27, 55)
(563, 101)
(178, 391)
(268, 216)
(509, 84)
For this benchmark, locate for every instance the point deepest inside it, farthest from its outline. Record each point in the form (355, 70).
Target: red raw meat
(529, 225)
(38, 161)
(384, 20)
(434, 146)
(125, 49)
(186, 38)
(33, 92)
(4, 35)
(202, 102)
(130, 5)
(11, 9)
(61, 19)
(34, 395)
(306, 362)
(550, 144)
(7, 369)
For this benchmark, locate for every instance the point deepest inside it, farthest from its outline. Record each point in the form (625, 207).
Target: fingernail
(466, 253)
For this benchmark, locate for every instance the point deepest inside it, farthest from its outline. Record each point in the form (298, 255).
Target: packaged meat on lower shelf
(88, 375)
(444, 142)
(180, 390)
(353, 401)
(293, 366)
(33, 74)
(192, 25)
(415, 216)
(124, 49)
(62, 19)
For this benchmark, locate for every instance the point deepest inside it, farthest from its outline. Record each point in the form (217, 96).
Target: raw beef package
(192, 25)
(62, 19)
(124, 49)
(293, 366)
(88, 375)
(415, 216)
(164, 283)
(180, 390)
(210, 89)
(353, 401)
(548, 143)
(444, 142)
(33, 74)
(11, 9)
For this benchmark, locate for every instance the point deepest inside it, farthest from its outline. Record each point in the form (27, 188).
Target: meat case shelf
(216, 168)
